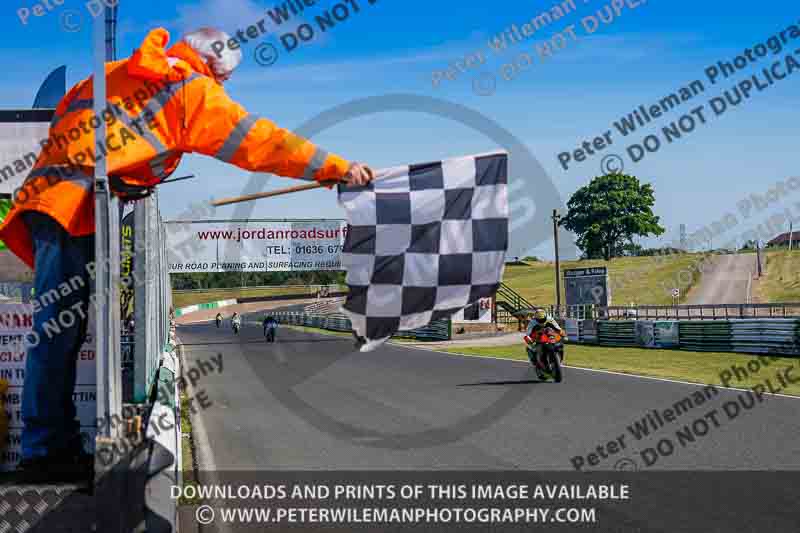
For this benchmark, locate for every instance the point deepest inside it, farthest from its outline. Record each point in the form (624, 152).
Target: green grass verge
(308, 329)
(641, 280)
(697, 367)
(782, 280)
(185, 299)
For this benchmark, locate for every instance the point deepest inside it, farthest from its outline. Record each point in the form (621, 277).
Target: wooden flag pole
(258, 196)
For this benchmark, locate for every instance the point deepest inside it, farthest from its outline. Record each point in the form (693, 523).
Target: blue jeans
(48, 409)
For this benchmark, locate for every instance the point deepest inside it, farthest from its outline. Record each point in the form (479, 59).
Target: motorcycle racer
(542, 320)
(270, 325)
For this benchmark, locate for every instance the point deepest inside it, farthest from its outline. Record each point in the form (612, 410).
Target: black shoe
(63, 467)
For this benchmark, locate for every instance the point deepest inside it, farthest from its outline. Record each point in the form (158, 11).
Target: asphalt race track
(311, 402)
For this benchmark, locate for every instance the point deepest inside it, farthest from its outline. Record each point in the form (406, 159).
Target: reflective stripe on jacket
(161, 104)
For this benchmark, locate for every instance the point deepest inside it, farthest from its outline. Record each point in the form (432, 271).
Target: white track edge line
(208, 468)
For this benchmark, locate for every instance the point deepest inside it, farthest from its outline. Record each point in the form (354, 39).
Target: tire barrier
(776, 336)
(616, 333)
(679, 312)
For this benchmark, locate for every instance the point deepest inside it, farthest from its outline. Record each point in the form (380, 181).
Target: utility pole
(683, 238)
(758, 258)
(556, 219)
(791, 236)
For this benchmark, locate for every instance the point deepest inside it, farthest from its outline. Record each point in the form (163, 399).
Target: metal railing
(509, 305)
(325, 307)
(675, 312)
(310, 289)
(514, 299)
(440, 330)
(153, 296)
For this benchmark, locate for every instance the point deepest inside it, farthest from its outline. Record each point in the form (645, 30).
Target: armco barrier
(326, 306)
(440, 330)
(210, 305)
(311, 289)
(249, 299)
(277, 298)
(755, 335)
(164, 433)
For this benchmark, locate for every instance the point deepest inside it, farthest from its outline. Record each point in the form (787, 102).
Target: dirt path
(726, 281)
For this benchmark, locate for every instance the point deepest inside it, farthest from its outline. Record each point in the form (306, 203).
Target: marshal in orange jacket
(161, 104)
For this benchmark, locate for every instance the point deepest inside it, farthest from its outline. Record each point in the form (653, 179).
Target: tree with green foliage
(609, 212)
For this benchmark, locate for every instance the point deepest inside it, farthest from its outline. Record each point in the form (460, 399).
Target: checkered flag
(424, 242)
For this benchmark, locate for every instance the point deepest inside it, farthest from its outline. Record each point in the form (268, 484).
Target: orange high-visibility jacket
(161, 104)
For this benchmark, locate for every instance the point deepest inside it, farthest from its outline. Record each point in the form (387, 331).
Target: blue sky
(395, 47)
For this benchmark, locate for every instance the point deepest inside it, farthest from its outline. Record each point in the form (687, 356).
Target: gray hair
(212, 45)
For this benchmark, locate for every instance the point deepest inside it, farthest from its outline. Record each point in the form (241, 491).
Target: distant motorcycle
(546, 353)
(236, 326)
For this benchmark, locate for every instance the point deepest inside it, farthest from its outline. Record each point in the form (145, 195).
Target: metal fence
(679, 312)
(440, 330)
(311, 290)
(153, 297)
(325, 307)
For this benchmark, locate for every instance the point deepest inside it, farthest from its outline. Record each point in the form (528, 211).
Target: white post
(109, 389)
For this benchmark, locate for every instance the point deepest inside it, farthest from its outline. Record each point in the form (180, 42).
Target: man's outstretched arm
(216, 125)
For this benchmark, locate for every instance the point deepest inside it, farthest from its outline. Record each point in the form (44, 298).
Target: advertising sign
(572, 328)
(126, 254)
(16, 321)
(255, 246)
(645, 333)
(586, 286)
(21, 135)
(480, 311)
(667, 334)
